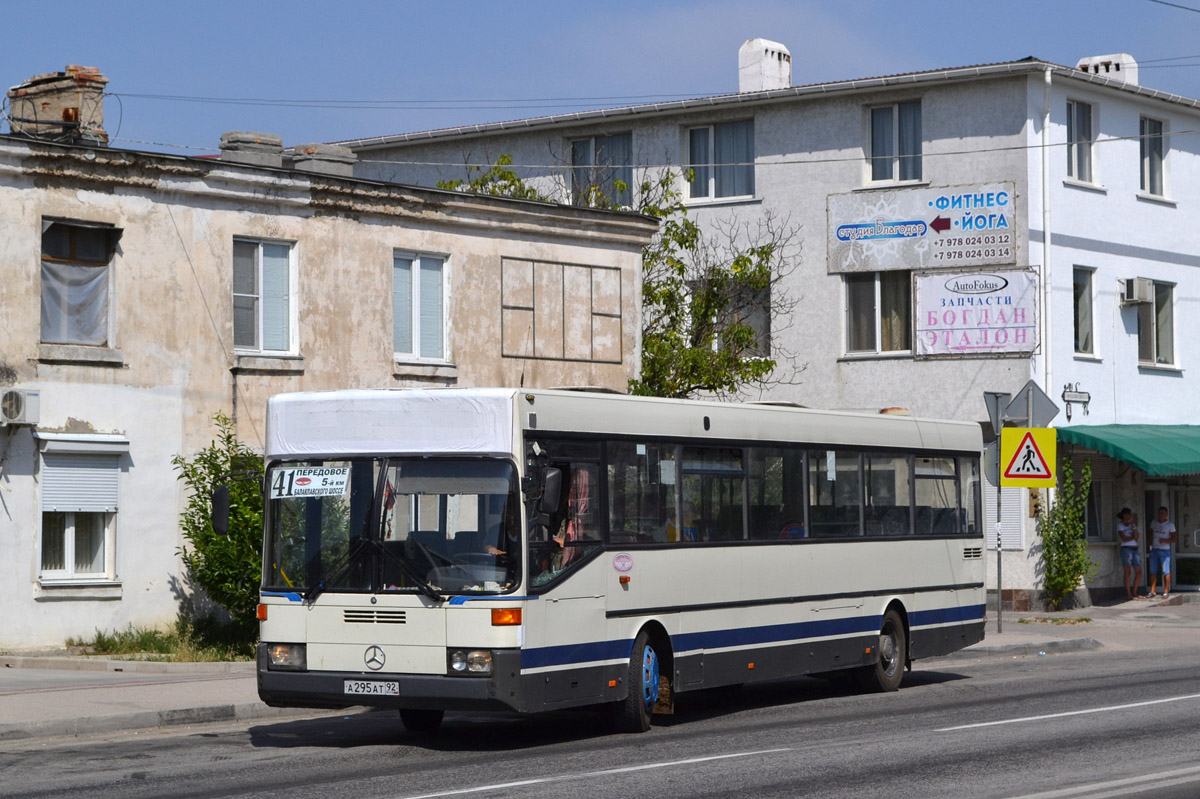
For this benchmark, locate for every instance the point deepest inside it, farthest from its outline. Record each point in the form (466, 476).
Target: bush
(228, 567)
(1065, 560)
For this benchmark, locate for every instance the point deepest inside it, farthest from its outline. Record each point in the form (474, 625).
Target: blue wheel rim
(649, 677)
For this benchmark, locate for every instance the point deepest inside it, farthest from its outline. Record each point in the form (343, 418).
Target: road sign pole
(999, 555)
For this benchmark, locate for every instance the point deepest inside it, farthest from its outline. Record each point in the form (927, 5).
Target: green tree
(712, 300)
(228, 567)
(1065, 560)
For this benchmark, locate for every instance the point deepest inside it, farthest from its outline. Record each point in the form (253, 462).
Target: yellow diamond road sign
(1027, 456)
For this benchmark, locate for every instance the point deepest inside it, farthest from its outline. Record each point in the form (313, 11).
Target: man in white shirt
(1162, 535)
(1127, 534)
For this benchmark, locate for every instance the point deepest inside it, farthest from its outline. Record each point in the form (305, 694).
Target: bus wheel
(633, 714)
(886, 673)
(421, 720)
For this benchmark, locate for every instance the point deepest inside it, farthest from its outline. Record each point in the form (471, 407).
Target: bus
(534, 550)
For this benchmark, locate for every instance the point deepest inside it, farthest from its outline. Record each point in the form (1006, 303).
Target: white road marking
(1069, 713)
(589, 774)
(1123, 787)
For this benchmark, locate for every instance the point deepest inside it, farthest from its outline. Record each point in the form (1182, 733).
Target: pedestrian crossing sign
(1028, 455)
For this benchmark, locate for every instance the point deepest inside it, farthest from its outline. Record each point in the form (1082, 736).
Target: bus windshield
(435, 526)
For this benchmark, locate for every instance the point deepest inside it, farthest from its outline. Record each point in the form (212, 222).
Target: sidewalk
(67, 696)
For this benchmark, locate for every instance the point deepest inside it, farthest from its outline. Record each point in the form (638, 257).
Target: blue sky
(418, 65)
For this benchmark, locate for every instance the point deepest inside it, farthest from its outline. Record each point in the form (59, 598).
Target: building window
(76, 272)
(1084, 344)
(1153, 147)
(721, 160)
(751, 312)
(262, 296)
(79, 510)
(1079, 141)
(896, 142)
(601, 170)
(1156, 327)
(879, 312)
(419, 306)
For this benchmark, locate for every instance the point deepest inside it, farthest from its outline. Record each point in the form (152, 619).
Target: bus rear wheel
(633, 714)
(420, 720)
(888, 670)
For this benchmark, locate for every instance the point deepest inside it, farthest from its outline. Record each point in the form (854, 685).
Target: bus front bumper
(327, 689)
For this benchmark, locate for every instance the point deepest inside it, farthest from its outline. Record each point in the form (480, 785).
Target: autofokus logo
(976, 284)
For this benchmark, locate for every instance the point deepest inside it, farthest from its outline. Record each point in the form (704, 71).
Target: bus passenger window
(834, 494)
(889, 487)
(712, 494)
(641, 493)
(776, 493)
(937, 496)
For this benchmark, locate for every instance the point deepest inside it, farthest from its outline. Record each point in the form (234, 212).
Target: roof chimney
(65, 106)
(763, 65)
(328, 159)
(252, 149)
(1117, 66)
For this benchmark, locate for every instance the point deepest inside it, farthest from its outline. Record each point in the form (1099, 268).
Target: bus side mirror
(551, 490)
(220, 510)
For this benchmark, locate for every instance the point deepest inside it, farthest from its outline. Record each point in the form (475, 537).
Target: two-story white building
(964, 230)
(142, 293)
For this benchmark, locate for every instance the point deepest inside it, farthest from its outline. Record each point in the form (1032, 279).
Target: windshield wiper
(422, 585)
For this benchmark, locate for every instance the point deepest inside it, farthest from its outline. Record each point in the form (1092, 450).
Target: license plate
(373, 687)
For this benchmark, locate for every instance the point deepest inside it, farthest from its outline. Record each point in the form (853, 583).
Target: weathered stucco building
(1069, 194)
(142, 293)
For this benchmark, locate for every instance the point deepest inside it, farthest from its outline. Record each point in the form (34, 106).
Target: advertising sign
(923, 228)
(975, 313)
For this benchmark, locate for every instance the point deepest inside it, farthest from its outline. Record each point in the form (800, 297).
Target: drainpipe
(1047, 368)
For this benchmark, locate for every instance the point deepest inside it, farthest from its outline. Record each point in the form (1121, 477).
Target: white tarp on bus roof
(385, 421)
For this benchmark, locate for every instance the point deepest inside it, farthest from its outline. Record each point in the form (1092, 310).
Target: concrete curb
(150, 719)
(1052, 646)
(65, 663)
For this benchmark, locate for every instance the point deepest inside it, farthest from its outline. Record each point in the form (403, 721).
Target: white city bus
(429, 550)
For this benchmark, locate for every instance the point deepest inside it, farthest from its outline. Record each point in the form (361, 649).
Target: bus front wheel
(886, 673)
(421, 720)
(633, 714)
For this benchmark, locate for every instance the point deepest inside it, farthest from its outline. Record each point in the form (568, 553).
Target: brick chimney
(328, 159)
(65, 106)
(252, 148)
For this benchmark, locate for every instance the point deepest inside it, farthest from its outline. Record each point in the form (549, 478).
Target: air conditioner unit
(1137, 290)
(18, 406)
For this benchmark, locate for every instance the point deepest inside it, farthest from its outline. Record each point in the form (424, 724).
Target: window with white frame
(79, 512)
(1156, 327)
(879, 312)
(419, 306)
(1079, 141)
(601, 170)
(721, 160)
(896, 141)
(1084, 328)
(1153, 149)
(76, 278)
(262, 296)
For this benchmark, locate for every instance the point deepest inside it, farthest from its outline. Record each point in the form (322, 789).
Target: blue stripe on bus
(291, 596)
(462, 600)
(576, 654)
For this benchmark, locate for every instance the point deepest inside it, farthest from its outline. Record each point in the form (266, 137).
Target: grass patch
(189, 641)
(1054, 620)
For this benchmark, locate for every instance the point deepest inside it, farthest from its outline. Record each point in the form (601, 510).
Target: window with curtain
(721, 160)
(1079, 141)
(1083, 312)
(75, 279)
(79, 507)
(1153, 148)
(879, 312)
(1156, 327)
(896, 142)
(602, 170)
(262, 301)
(418, 306)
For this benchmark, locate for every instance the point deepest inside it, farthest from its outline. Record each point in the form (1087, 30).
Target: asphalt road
(1095, 725)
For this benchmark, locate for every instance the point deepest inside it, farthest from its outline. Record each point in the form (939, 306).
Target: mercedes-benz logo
(374, 658)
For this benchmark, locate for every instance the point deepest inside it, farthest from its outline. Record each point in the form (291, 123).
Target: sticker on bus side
(309, 481)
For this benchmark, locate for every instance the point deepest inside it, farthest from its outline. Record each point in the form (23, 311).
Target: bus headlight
(287, 657)
(471, 661)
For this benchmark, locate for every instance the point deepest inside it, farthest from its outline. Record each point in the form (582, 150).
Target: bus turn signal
(502, 617)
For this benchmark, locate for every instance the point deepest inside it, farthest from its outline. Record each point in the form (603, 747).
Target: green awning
(1159, 450)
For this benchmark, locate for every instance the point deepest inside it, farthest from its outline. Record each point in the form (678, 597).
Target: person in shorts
(1127, 535)
(1162, 535)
